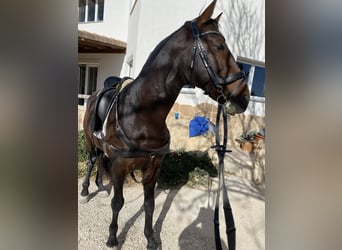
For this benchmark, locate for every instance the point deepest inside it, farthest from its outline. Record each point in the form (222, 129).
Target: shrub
(179, 168)
(82, 152)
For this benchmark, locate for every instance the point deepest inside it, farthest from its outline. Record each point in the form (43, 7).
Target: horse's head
(213, 67)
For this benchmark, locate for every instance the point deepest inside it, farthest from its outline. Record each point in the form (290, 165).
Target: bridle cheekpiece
(218, 82)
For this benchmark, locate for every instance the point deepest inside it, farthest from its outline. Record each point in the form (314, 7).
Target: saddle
(104, 100)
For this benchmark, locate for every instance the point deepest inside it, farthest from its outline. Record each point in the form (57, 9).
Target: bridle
(221, 149)
(217, 81)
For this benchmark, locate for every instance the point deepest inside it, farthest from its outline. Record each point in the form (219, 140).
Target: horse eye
(219, 47)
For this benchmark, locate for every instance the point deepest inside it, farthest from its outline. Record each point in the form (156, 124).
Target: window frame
(96, 14)
(253, 63)
(87, 84)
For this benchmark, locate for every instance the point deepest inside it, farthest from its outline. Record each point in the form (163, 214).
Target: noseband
(218, 82)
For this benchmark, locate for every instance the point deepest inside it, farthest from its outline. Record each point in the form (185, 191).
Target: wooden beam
(94, 43)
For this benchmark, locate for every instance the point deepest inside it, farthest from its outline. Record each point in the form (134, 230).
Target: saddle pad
(125, 83)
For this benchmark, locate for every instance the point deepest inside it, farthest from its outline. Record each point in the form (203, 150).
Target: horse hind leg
(102, 163)
(90, 165)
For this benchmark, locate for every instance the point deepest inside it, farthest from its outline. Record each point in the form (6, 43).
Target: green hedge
(82, 152)
(181, 167)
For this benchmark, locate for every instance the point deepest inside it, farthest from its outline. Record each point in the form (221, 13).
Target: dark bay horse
(136, 135)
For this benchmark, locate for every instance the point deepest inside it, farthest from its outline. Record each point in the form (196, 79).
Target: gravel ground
(183, 218)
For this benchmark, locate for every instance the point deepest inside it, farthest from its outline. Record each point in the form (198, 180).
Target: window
(90, 10)
(258, 82)
(81, 10)
(100, 9)
(87, 81)
(81, 78)
(92, 79)
(256, 77)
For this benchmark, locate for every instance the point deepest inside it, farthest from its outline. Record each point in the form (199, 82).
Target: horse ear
(207, 13)
(218, 17)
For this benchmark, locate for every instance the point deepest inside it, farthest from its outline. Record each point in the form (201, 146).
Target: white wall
(242, 24)
(152, 21)
(108, 65)
(115, 20)
(114, 25)
(132, 38)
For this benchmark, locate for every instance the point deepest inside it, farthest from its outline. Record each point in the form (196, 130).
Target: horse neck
(145, 103)
(155, 93)
(145, 106)
(161, 78)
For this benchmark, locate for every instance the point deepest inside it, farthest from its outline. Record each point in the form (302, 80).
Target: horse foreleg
(90, 165)
(117, 203)
(149, 209)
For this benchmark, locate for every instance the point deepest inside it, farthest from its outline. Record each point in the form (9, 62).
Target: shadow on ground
(196, 231)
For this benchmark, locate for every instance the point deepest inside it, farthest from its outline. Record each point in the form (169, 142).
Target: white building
(116, 37)
(102, 42)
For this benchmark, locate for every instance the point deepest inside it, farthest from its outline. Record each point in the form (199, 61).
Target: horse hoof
(84, 192)
(112, 241)
(103, 194)
(83, 199)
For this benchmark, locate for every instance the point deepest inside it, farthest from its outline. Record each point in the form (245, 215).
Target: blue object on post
(198, 126)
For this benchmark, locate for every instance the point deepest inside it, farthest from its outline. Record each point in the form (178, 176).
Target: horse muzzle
(237, 104)
(237, 101)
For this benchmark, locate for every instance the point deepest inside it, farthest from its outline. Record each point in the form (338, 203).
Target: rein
(228, 214)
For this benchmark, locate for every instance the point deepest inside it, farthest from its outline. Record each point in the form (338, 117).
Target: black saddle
(112, 81)
(104, 100)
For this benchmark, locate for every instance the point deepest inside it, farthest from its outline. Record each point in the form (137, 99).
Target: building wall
(132, 37)
(115, 20)
(242, 23)
(152, 21)
(114, 25)
(108, 65)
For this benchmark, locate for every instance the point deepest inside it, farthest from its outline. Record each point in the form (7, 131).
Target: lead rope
(221, 150)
